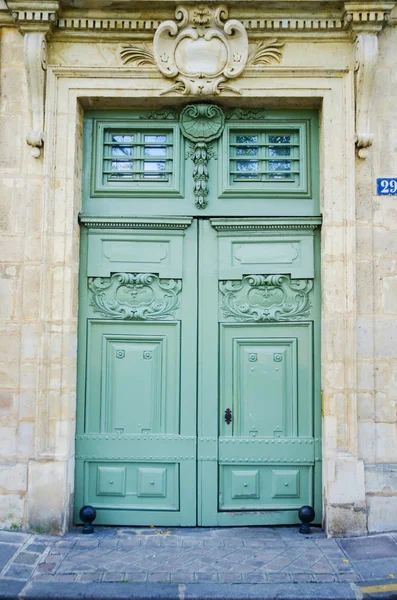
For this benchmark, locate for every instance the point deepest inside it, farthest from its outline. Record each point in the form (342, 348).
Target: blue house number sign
(386, 186)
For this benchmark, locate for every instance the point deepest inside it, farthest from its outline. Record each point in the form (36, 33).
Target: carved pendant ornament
(259, 298)
(201, 51)
(366, 59)
(201, 124)
(135, 296)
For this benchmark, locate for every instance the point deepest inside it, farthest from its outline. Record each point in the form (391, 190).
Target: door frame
(69, 90)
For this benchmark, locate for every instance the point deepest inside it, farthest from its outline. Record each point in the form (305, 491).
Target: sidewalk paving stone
(7, 551)
(375, 547)
(239, 557)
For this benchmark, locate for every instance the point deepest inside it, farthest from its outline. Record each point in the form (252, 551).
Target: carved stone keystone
(202, 50)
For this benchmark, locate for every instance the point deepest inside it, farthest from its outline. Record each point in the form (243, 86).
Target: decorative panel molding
(141, 296)
(178, 223)
(260, 298)
(146, 251)
(289, 252)
(134, 485)
(265, 224)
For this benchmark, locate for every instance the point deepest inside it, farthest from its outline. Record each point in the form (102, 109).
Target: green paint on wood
(199, 340)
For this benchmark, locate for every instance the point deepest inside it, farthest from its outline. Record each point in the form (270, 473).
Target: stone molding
(34, 15)
(366, 17)
(342, 19)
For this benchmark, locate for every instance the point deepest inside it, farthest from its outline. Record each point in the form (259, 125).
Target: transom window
(263, 163)
(264, 156)
(137, 156)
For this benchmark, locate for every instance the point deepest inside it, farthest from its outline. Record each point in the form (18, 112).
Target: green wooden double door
(198, 390)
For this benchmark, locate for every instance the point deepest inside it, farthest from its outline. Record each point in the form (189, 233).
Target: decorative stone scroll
(202, 50)
(35, 19)
(135, 296)
(201, 124)
(259, 298)
(36, 67)
(366, 59)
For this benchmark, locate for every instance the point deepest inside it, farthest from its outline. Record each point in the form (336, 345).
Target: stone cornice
(294, 21)
(366, 18)
(34, 15)
(306, 18)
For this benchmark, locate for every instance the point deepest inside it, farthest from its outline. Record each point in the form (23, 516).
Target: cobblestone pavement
(233, 555)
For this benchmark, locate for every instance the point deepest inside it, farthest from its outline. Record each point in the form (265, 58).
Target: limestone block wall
(39, 201)
(21, 224)
(377, 298)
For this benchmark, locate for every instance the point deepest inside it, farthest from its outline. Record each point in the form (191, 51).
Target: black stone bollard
(306, 514)
(88, 515)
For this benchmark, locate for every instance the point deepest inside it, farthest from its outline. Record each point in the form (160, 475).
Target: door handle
(228, 416)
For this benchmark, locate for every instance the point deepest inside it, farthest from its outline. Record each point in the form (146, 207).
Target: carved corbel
(365, 20)
(36, 66)
(366, 59)
(35, 20)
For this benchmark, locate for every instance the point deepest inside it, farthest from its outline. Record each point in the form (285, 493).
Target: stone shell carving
(201, 50)
(200, 124)
(259, 298)
(135, 296)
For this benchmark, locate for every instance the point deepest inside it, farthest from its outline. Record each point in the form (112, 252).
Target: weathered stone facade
(40, 200)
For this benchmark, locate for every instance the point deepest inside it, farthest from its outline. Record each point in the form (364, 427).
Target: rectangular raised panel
(266, 379)
(264, 390)
(266, 253)
(134, 385)
(245, 484)
(152, 482)
(265, 487)
(111, 481)
(143, 252)
(133, 377)
(262, 380)
(285, 483)
(132, 485)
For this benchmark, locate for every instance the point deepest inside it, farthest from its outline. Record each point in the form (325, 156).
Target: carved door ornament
(201, 51)
(201, 124)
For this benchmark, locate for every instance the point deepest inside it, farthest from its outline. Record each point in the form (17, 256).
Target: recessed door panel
(132, 485)
(258, 487)
(137, 384)
(261, 379)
